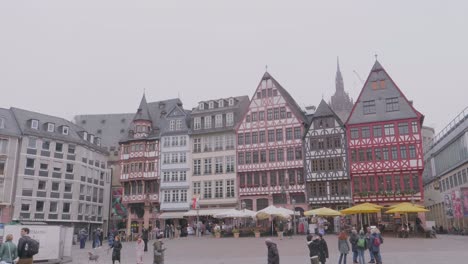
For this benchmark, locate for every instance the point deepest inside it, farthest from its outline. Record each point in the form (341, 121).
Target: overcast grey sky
(88, 57)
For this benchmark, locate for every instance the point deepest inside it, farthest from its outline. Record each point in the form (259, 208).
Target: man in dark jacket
(273, 256)
(323, 252)
(144, 236)
(314, 249)
(353, 239)
(24, 258)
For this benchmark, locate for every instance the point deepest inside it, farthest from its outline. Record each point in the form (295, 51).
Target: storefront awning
(205, 212)
(172, 215)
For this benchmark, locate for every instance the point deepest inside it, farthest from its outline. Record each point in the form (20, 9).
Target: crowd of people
(22, 253)
(356, 243)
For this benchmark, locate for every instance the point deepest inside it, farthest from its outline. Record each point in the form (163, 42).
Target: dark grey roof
(391, 90)
(142, 111)
(289, 99)
(157, 111)
(24, 117)
(111, 128)
(323, 110)
(176, 113)
(10, 126)
(240, 107)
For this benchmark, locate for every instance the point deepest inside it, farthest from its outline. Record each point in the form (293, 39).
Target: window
(221, 103)
(369, 107)
(182, 141)
(230, 189)
(403, 152)
(207, 122)
(172, 125)
(30, 163)
(71, 149)
(261, 138)
(269, 114)
(196, 167)
(32, 142)
(337, 142)
(218, 120)
(354, 133)
(254, 137)
(389, 130)
(178, 124)
(412, 152)
(219, 165)
(403, 128)
(41, 185)
(271, 135)
(394, 153)
(197, 123)
(175, 196)
(283, 112)
(240, 158)
(290, 154)
(279, 134)
(3, 146)
(414, 127)
(207, 163)
(34, 124)
(25, 206)
(66, 208)
(280, 154)
(247, 138)
(53, 207)
(392, 104)
(297, 133)
(271, 155)
(255, 157)
(273, 181)
(231, 101)
(289, 134)
(254, 116)
(55, 186)
(230, 164)
(58, 147)
(365, 132)
(210, 105)
(196, 188)
(276, 113)
(261, 116)
(68, 187)
(50, 127)
(183, 196)
(229, 119)
(369, 154)
(2, 122)
(298, 153)
(43, 166)
(377, 131)
(378, 155)
(219, 189)
(207, 190)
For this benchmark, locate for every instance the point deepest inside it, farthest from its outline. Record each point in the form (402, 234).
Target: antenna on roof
(375, 55)
(266, 68)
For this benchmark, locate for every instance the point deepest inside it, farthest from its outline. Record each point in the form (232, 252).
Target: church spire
(143, 111)
(339, 85)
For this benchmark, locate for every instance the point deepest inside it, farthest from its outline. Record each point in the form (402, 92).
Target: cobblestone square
(208, 250)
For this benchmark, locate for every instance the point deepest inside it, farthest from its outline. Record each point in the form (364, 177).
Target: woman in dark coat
(323, 252)
(116, 247)
(273, 256)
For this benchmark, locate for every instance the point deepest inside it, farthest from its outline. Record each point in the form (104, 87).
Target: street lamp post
(294, 215)
(243, 205)
(198, 219)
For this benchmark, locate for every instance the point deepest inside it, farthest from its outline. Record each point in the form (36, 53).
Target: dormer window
(98, 141)
(172, 125)
(34, 124)
(231, 101)
(85, 135)
(50, 127)
(65, 130)
(91, 138)
(221, 103)
(201, 106)
(179, 124)
(2, 122)
(211, 105)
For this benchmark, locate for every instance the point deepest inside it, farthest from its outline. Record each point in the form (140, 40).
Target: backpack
(31, 247)
(361, 243)
(376, 241)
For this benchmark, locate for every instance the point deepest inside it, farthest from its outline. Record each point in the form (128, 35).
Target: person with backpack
(375, 241)
(361, 247)
(8, 251)
(353, 239)
(27, 247)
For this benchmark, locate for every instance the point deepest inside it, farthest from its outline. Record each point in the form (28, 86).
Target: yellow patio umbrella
(403, 204)
(374, 205)
(324, 211)
(361, 209)
(405, 208)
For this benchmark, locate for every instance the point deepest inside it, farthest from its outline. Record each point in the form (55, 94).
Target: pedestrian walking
(323, 253)
(158, 251)
(116, 248)
(313, 243)
(140, 250)
(376, 240)
(25, 246)
(343, 247)
(144, 236)
(273, 255)
(8, 251)
(353, 239)
(83, 236)
(368, 237)
(361, 247)
(97, 238)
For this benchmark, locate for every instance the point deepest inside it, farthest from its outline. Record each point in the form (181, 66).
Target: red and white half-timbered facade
(269, 150)
(385, 143)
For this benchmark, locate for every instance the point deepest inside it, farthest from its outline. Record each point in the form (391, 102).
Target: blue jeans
(377, 257)
(371, 256)
(342, 257)
(355, 255)
(362, 259)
